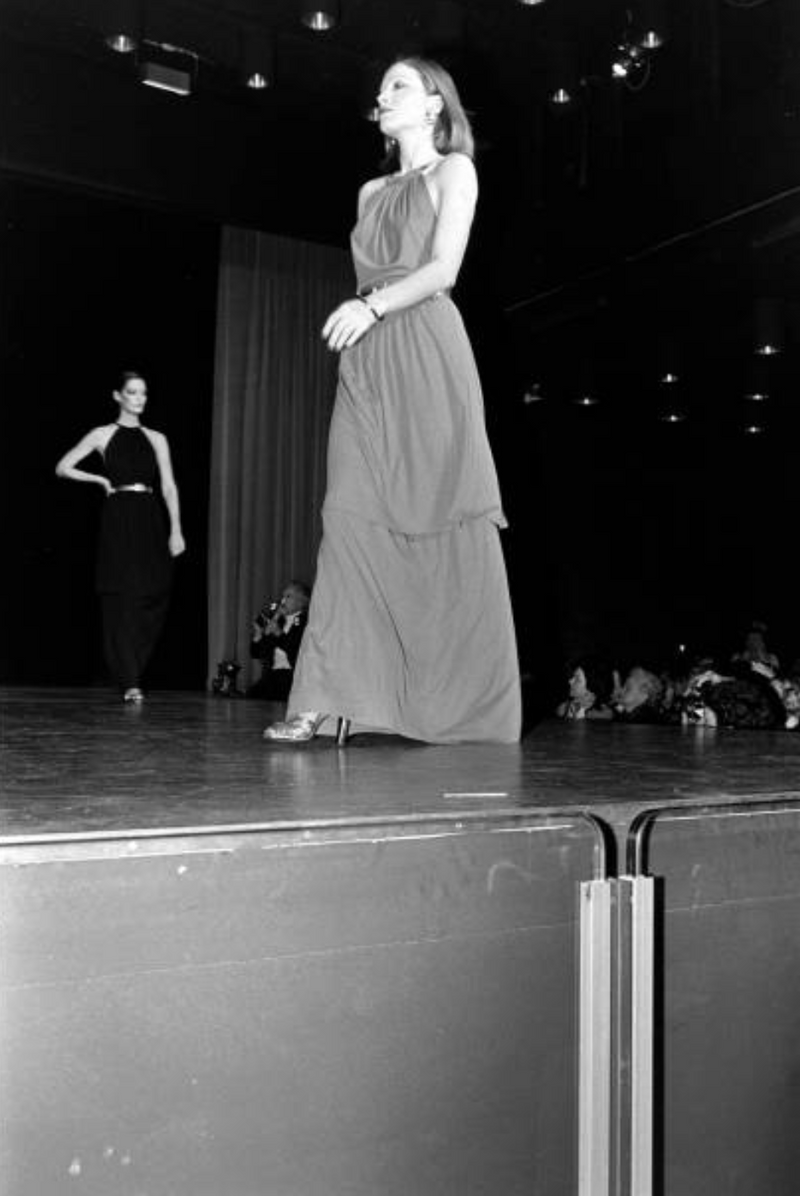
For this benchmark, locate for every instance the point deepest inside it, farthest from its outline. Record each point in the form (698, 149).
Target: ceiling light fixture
(651, 18)
(257, 60)
(769, 326)
(319, 15)
(167, 68)
(125, 22)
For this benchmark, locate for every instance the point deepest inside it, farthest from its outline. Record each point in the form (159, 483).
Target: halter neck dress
(133, 550)
(134, 567)
(410, 628)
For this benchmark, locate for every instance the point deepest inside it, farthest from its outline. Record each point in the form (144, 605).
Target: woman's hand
(347, 324)
(177, 544)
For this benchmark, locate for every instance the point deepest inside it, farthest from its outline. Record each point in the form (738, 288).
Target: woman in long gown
(135, 546)
(410, 628)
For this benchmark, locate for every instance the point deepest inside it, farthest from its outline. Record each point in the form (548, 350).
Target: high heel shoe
(302, 727)
(134, 694)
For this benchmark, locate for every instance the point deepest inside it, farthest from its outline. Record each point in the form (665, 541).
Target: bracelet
(365, 300)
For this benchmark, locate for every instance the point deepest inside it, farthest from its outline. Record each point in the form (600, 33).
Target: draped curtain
(273, 390)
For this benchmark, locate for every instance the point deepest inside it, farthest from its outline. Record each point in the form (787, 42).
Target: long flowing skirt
(411, 634)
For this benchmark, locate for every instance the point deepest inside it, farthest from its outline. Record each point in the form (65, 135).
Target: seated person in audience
(749, 700)
(755, 654)
(275, 641)
(588, 693)
(637, 698)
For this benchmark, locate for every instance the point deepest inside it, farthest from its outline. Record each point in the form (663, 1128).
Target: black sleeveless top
(133, 549)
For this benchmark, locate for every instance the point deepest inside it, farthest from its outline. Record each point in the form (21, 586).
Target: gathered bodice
(394, 233)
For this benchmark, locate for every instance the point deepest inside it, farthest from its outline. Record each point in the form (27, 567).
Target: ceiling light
(586, 400)
(257, 60)
(651, 17)
(629, 59)
(757, 396)
(672, 417)
(530, 3)
(533, 394)
(319, 15)
(124, 22)
(754, 429)
(669, 378)
(769, 326)
(561, 96)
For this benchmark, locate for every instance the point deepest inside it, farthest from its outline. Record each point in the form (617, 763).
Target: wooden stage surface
(78, 762)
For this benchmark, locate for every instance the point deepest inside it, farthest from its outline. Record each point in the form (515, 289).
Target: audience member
(638, 697)
(589, 693)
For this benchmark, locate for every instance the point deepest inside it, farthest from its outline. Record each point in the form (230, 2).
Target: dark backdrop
(628, 536)
(90, 287)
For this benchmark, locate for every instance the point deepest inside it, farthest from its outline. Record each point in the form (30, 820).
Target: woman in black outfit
(136, 544)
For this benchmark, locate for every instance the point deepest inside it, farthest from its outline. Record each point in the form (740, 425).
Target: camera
(265, 614)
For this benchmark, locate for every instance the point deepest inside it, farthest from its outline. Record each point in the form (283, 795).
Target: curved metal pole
(636, 836)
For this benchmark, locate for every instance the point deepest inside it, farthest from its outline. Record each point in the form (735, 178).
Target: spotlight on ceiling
(629, 60)
(319, 15)
(652, 39)
(669, 378)
(257, 61)
(586, 400)
(167, 68)
(560, 97)
(769, 326)
(672, 417)
(533, 394)
(125, 23)
(652, 17)
(531, 3)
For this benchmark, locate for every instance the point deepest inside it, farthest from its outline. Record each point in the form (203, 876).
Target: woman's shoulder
(371, 187)
(101, 435)
(155, 438)
(457, 166)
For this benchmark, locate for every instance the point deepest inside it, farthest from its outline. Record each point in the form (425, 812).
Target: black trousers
(132, 624)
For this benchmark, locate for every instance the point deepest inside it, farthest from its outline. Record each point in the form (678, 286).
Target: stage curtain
(273, 393)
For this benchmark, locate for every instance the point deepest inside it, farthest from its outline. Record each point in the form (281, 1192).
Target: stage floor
(78, 762)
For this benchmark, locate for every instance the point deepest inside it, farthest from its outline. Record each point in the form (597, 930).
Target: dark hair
(301, 587)
(127, 376)
(452, 132)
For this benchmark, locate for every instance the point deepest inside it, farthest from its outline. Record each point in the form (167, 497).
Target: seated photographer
(275, 641)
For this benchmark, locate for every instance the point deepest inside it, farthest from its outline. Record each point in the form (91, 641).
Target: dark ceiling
(675, 189)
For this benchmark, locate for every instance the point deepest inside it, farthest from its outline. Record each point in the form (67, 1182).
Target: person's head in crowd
(639, 689)
(295, 598)
(755, 652)
(589, 689)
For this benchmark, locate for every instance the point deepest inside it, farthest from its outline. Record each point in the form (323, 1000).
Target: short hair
(452, 132)
(301, 588)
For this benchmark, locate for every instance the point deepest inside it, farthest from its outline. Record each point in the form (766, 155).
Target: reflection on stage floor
(80, 761)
